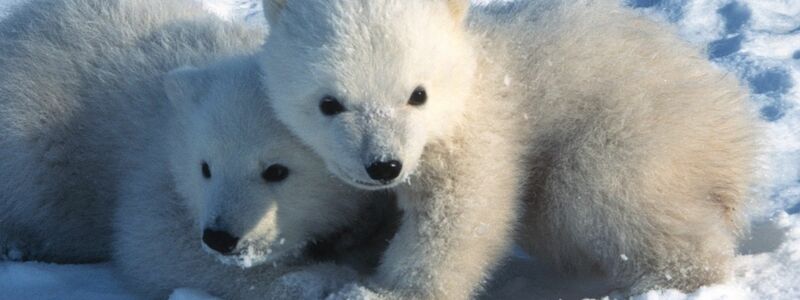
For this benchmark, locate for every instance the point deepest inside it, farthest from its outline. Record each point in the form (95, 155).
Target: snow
(756, 40)
(48, 281)
(768, 267)
(190, 294)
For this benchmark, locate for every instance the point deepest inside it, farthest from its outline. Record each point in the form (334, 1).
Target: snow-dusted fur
(80, 89)
(166, 202)
(625, 153)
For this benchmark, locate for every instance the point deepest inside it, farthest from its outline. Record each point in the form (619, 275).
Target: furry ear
(272, 10)
(459, 8)
(184, 85)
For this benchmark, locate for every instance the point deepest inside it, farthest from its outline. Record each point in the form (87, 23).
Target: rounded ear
(272, 10)
(459, 9)
(184, 85)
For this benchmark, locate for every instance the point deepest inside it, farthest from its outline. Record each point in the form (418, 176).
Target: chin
(373, 186)
(369, 185)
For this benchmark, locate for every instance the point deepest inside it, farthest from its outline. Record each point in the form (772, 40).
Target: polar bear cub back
(225, 182)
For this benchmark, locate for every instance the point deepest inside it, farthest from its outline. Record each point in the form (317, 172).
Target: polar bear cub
(79, 91)
(607, 134)
(226, 182)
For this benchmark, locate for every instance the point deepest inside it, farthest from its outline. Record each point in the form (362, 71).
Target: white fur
(90, 114)
(378, 124)
(79, 90)
(166, 202)
(615, 136)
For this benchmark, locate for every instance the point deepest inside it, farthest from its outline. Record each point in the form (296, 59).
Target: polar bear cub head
(367, 84)
(255, 194)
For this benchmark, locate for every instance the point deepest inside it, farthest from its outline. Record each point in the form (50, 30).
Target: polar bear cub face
(256, 195)
(367, 84)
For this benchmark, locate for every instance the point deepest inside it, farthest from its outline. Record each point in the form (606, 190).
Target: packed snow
(756, 40)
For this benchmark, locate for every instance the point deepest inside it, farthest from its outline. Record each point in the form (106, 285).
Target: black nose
(385, 170)
(220, 241)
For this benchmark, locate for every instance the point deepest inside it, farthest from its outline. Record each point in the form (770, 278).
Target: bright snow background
(755, 40)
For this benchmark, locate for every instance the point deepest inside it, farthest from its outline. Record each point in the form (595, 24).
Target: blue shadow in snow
(643, 3)
(672, 9)
(794, 209)
(771, 82)
(724, 47)
(735, 15)
(773, 112)
(796, 54)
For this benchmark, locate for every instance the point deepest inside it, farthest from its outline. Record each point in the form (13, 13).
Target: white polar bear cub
(225, 171)
(608, 135)
(80, 87)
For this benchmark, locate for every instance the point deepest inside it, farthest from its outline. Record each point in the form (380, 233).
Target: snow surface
(755, 40)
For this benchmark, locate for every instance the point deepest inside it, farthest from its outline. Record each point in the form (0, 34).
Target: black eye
(418, 97)
(275, 173)
(206, 170)
(330, 106)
